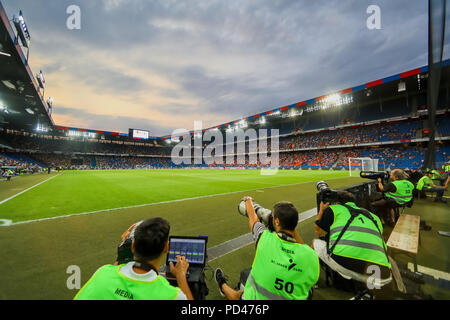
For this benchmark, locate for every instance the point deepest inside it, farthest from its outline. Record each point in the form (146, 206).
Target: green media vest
(361, 240)
(282, 270)
(436, 174)
(424, 182)
(108, 283)
(404, 191)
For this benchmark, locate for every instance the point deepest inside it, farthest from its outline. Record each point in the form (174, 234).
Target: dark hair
(287, 213)
(150, 238)
(345, 196)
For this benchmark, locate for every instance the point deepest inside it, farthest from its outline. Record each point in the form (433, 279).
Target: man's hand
(380, 185)
(252, 217)
(180, 269)
(127, 233)
(323, 206)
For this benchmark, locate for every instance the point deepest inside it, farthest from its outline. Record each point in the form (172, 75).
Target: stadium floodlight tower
(356, 165)
(22, 32)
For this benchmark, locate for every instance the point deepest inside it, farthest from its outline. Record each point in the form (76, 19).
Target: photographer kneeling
(139, 279)
(283, 268)
(353, 244)
(396, 193)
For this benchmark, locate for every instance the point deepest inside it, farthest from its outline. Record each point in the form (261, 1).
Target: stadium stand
(395, 142)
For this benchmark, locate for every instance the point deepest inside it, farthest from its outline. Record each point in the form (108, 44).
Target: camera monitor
(193, 248)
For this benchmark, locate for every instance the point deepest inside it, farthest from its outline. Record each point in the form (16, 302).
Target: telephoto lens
(262, 213)
(322, 185)
(241, 208)
(124, 253)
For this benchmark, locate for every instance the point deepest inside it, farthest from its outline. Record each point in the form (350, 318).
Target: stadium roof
(22, 105)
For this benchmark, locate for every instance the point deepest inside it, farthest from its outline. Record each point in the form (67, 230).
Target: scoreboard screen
(139, 134)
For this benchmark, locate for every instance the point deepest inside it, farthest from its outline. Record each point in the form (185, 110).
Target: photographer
(437, 176)
(414, 176)
(139, 279)
(353, 240)
(283, 268)
(396, 193)
(425, 184)
(446, 169)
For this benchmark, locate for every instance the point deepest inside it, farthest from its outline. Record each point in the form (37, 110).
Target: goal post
(356, 165)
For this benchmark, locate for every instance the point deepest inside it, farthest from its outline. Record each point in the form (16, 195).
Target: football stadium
(68, 194)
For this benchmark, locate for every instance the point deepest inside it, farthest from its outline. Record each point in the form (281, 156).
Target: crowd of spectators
(19, 162)
(8, 162)
(73, 145)
(352, 136)
(65, 152)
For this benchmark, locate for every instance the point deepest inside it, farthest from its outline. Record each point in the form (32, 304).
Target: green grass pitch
(207, 206)
(75, 192)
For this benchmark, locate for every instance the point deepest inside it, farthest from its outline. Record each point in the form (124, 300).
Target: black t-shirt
(414, 177)
(390, 187)
(356, 265)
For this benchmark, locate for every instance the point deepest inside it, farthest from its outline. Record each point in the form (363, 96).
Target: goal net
(356, 165)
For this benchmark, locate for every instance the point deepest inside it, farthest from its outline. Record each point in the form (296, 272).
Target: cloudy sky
(160, 65)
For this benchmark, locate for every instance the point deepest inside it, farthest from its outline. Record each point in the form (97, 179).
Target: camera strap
(353, 216)
(286, 237)
(145, 266)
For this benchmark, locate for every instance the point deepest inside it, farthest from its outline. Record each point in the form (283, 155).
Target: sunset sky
(161, 65)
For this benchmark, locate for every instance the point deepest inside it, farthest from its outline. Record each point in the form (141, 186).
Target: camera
(375, 175)
(264, 215)
(325, 194)
(124, 253)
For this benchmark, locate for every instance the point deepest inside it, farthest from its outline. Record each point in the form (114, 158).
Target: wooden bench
(405, 236)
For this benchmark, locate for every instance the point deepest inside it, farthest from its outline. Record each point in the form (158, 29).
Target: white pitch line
(21, 192)
(157, 203)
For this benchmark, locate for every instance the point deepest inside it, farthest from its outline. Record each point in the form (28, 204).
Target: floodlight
(41, 128)
(41, 80)
(333, 98)
(22, 29)
(275, 113)
(242, 124)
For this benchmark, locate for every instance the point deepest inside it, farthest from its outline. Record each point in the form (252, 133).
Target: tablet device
(193, 248)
